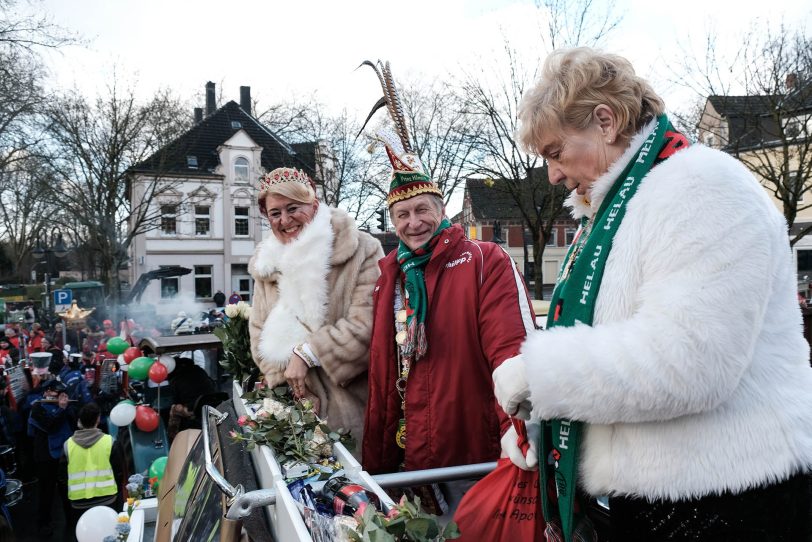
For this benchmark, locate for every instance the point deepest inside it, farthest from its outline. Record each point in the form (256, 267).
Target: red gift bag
(505, 505)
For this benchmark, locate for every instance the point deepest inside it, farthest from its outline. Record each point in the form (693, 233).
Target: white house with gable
(208, 215)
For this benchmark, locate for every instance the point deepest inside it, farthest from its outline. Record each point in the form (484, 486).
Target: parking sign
(62, 299)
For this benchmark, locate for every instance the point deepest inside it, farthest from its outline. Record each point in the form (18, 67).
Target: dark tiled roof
(800, 99)
(491, 200)
(306, 153)
(202, 140)
(751, 119)
(739, 106)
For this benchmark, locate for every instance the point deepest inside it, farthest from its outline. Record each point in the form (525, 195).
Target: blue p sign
(63, 297)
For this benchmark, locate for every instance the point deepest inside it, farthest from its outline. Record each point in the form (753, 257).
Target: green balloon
(117, 345)
(139, 368)
(156, 470)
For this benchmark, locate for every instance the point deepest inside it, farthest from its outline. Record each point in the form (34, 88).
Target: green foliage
(237, 347)
(293, 431)
(406, 522)
(280, 394)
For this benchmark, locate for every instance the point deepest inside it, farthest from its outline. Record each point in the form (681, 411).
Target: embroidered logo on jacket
(465, 257)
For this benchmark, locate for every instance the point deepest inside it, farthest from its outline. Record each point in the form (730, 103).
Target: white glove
(510, 448)
(511, 389)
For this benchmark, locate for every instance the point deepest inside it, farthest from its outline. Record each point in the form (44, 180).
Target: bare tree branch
(91, 147)
(769, 126)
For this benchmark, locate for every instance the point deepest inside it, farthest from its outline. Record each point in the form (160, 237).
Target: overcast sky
(297, 47)
(288, 49)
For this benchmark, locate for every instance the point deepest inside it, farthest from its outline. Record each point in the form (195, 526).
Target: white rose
(272, 406)
(232, 311)
(245, 310)
(321, 444)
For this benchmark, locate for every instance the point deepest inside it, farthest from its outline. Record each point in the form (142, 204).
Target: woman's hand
(295, 375)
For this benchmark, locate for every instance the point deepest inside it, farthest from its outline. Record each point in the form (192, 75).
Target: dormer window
(191, 162)
(236, 125)
(241, 170)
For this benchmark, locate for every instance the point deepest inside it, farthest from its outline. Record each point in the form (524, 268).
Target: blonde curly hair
(572, 83)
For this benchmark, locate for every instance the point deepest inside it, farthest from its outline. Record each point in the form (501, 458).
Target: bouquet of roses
(237, 345)
(291, 428)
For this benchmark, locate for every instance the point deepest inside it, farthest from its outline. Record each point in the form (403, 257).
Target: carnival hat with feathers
(409, 178)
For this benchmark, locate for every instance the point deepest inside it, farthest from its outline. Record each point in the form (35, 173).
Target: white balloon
(122, 363)
(122, 414)
(169, 363)
(96, 523)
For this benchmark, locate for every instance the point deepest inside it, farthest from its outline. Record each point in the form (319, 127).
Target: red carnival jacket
(479, 314)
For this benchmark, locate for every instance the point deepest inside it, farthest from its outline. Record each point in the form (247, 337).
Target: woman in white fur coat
(675, 376)
(311, 316)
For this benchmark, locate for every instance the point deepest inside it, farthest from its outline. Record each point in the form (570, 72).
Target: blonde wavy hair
(572, 83)
(293, 190)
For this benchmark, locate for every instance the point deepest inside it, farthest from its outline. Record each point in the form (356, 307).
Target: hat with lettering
(409, 177)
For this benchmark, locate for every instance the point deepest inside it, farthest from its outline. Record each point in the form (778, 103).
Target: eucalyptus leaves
(237, 345)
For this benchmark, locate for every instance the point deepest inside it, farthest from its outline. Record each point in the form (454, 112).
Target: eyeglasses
(292, 210)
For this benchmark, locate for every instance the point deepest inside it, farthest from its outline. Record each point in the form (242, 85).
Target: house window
(241, 221)
(236, 125)
(552, 239)
(241, 170)
(202, 220)
(191, 162)
(169, 287)
(169, 219)
(804, 264)
(569, 234)
(203, 281)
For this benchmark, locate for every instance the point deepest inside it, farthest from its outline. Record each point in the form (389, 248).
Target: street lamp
(60, 251)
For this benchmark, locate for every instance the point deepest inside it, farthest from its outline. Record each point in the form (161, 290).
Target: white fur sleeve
(701, 270)
(280, 333)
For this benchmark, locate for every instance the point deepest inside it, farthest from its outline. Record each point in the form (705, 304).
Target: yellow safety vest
(89, 472)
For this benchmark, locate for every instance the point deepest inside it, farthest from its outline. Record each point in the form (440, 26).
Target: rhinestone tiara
(284, 175)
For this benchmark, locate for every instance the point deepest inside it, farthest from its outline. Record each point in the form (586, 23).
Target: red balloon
(157, 372)
(146, 419)
(131, 353)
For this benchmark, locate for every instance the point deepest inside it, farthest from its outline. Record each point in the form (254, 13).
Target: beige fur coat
(318, 289)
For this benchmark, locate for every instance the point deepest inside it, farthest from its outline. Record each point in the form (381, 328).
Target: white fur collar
(588, 204)
(300, 268)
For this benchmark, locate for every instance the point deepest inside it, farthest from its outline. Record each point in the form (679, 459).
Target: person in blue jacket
(51, 423)
(71, 375)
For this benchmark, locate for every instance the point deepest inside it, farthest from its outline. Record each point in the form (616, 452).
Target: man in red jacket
(447, 311)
